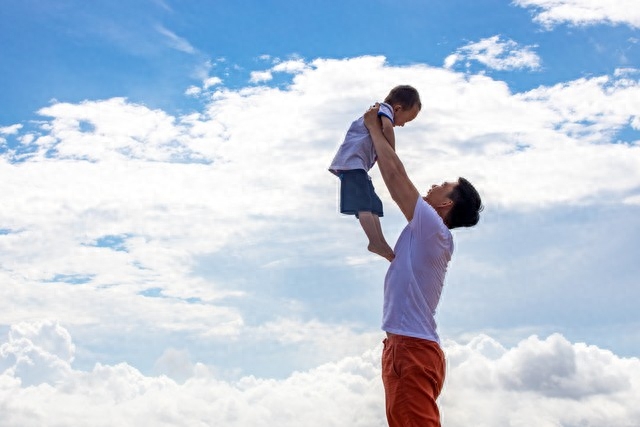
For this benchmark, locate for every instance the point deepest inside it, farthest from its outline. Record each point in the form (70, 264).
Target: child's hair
(405, 95)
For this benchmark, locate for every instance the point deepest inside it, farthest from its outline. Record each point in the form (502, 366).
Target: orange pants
(413, 373)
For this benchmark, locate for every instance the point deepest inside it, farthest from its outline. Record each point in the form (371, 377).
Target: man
(413, 364)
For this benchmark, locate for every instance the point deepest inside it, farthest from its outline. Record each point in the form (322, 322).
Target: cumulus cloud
(211, 81)
(131, 221)
(575, 105)
(100, 129)
(176, 364)
(260, 76)
(547, 382)
(557, 377)
(207, 83)
(10, 130)
(291, 66)
(584, 12)
(497, 54)
(193, 91)
(37, 353)
(317, 341)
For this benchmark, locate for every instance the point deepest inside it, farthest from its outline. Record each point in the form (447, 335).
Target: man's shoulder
(424, 208)
(427, 219)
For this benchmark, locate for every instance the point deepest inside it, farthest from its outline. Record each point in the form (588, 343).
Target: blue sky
(149, 50)
(169, 236)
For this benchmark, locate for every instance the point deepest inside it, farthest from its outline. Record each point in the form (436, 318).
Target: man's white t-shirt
(415, 278)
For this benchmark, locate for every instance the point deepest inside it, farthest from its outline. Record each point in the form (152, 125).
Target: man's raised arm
(402, 190)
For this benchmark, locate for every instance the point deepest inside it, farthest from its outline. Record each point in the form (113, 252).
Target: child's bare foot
(383, 250)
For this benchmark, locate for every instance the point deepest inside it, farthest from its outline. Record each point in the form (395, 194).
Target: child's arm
(387, 131)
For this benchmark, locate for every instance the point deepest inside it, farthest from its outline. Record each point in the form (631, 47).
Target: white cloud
(584, 12)
(207, 83)
(626, 72)
(293, 66)
(577, 109)
(451, 60)
(10, 130)
(564, 384)
(193, 91)
(37, 353)
(497, 54)
(176, 42)
(163, 5)
(211, 81)
(319, 342)
(112, 129)
(228, 214)
(260, 76)
(176, 364)
(633, 200)
(547, 382)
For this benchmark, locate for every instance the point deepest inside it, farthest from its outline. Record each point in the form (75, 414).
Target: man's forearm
(390, 136)
(388, 161)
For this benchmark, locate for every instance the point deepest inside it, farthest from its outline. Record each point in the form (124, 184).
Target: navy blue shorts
(357, 193)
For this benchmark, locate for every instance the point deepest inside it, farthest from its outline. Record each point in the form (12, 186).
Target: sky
(171, 251)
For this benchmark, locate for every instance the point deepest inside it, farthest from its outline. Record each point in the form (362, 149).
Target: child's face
(402, 115)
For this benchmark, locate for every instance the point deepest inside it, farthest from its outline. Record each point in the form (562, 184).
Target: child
(356, 156)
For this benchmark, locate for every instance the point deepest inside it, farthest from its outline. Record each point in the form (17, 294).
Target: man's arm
(402, 190)
(387, 131)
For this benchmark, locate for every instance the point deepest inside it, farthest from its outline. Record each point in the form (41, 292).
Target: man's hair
(466, 205)
(405, 95)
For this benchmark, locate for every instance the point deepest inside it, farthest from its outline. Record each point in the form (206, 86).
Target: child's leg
(370, 223)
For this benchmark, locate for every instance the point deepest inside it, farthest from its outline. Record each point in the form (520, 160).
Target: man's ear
(446, 203)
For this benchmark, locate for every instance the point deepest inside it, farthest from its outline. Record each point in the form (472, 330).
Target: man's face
(439, 194)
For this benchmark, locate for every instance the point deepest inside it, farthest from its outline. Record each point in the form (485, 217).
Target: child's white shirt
(357, 150)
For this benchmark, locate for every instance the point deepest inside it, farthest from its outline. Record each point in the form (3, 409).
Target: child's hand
(371, 118)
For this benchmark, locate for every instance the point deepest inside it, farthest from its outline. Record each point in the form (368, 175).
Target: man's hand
(371, 118)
